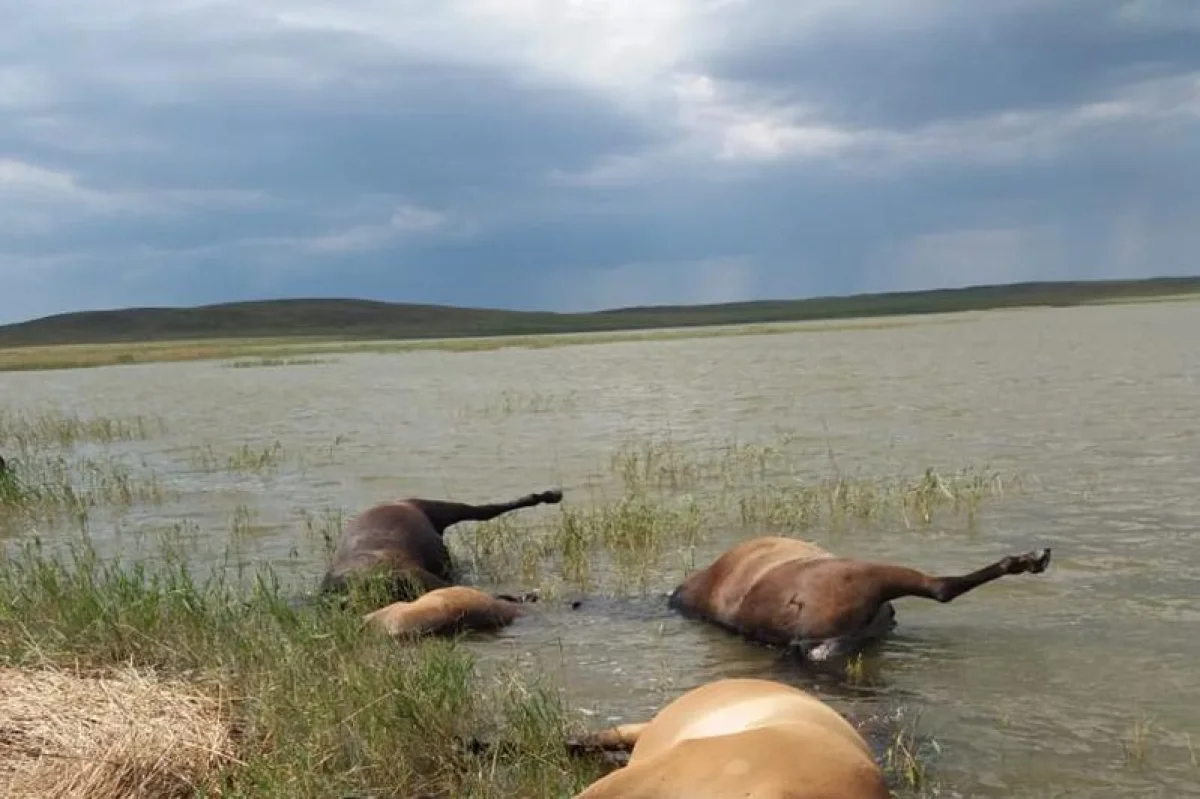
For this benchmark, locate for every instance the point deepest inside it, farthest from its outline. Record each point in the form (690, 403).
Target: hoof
(1039, 563)
(551, 497)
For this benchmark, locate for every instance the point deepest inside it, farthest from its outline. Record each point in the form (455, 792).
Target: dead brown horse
(740, 737)
(402, 542)
(792, 593)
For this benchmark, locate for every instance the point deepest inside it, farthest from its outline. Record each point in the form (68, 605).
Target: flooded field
(942, 443)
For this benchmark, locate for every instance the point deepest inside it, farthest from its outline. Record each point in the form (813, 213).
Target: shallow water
(1031, 685)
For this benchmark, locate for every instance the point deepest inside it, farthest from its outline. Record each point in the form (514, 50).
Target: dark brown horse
(402, 542)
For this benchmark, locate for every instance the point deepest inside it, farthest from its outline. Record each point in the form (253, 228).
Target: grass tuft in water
(906, 761)
(245, 459)
(255, 363)
(324, 527)
(511, 403)
(838, 501)
(1136, 748)
(673, 500)
(26, 432)
(54, 486)
(262, 458)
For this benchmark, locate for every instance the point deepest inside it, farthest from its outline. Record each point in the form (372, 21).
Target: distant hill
(364, 319)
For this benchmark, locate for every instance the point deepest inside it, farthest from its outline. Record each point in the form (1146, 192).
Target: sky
(585, 154)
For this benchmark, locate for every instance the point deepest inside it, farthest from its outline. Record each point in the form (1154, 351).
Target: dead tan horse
(787, 592)
(447, 611)
(750, 738)
(403, 540)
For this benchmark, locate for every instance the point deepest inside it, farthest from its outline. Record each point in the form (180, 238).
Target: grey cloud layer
(945, 60)
(177, 156)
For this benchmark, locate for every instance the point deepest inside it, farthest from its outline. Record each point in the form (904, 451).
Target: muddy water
(1032, 686)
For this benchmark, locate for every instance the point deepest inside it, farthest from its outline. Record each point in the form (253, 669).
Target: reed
(27, 431)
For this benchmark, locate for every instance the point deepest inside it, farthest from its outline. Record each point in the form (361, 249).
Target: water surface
(1033, 686)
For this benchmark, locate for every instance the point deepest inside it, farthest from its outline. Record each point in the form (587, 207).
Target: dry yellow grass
(127, 733)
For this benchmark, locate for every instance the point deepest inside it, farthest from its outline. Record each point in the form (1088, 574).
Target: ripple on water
(1031, 684)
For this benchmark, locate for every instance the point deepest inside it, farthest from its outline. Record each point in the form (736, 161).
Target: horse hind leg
(443, 513)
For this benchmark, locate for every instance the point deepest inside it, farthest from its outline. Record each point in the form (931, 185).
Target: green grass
(673, 500)
(272, 332)
(669, 501)
(291, 351)
(261, 458)
(49, 487)
(320, 706)
(316, 704)
(31, 430)
(255, 363)
(510, 403)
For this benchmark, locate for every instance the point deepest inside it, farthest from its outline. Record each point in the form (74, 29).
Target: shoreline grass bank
(275, 332)
(296, 702)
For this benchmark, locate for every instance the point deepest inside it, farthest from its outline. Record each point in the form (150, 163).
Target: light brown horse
(447, 611)
(402, 542)
(787, 592)
(750, 738)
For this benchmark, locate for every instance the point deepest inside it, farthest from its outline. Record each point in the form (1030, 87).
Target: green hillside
(362, 319)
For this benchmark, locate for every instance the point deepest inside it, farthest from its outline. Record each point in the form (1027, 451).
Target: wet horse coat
(750, 738)
(787, 592)
(403, 542)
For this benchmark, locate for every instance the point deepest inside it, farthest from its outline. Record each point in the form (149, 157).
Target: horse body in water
(403, 542)
(751, 738)
(788, 592)
(447, 611)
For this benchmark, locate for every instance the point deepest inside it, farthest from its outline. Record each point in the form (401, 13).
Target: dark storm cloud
(221, 106)
(197, 152)
(907, 65)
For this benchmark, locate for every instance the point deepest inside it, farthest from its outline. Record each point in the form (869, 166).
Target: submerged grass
(255, 363)
(261, 458)
(55, 486)
(59, 464)
(838, 500)
(27, 431)
(671, 501)
(510, 402)
(906, 760)
(246, 458)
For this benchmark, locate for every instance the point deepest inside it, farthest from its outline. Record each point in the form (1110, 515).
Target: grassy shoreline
(311, 351)
(303, 702)
(283, 332)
